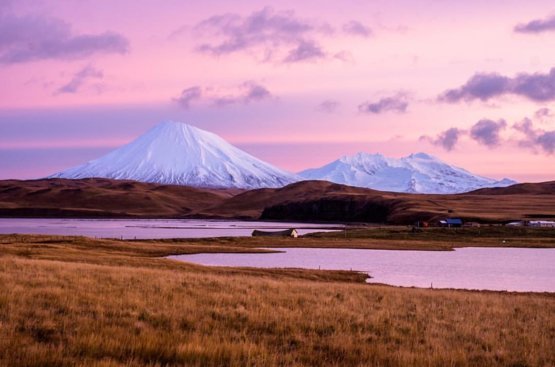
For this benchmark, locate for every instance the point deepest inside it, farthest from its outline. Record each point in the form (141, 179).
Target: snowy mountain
(416, 173)
(180, 154)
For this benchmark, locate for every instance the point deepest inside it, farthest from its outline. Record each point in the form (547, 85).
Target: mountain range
(416, 173)
(174, 153)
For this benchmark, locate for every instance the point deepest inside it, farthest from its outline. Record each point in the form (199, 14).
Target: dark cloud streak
(397, 103)
(249, 92)
(537, 25)
(27, 38)
(79, 79)
(245, 93)
(537, 87)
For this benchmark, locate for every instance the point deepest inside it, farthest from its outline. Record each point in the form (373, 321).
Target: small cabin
(292, 232)
(451, 222)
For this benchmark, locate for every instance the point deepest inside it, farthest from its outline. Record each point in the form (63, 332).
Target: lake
(149, 228)
(512, 269)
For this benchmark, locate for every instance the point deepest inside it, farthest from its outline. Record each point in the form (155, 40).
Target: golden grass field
(73, 301)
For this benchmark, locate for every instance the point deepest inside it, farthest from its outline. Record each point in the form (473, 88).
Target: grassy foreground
(82, 302)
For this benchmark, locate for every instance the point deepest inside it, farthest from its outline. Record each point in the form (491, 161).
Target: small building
(542, 223)
(292, 232)
(451, 222)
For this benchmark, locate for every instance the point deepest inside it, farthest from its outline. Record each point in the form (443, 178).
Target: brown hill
(541, 188)
(325, 201)
(96, 197)
(303, 201)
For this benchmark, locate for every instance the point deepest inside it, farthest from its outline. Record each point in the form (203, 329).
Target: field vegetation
(82, 302)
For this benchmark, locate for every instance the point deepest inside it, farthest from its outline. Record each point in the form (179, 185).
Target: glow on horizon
(413, 50)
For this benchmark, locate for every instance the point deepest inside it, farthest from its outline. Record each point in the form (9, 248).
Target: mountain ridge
(415, 173)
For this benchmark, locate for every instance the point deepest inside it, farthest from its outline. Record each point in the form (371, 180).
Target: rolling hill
(302, 201)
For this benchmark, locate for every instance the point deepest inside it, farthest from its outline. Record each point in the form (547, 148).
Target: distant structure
(472, 224)
(542, 223)
(451, 222)
(292, 232)
(532, 223)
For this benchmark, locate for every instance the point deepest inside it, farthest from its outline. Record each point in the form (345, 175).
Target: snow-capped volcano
(180, 154)
(416, 173)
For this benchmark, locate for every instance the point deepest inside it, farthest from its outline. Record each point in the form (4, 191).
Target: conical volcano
(179, 154)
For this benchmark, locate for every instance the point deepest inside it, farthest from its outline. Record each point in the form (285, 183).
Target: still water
(148, 228)
(512, 269)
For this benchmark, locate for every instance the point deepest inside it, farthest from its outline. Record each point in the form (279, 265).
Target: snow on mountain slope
(180, 154)
(416, 173)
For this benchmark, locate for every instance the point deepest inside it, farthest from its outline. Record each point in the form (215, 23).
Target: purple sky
(295, 83)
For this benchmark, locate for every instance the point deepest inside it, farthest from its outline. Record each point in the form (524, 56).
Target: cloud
(536, 25)
(248, 92)
(305, 50)
(535, 137)
(244, 93)
(80, 78)
(537, 87)
(32, 38)
(344, 56)
(543, 113)
(270, 35)
(487, 132)
(356, 28)
(480, 86)
(447, 139)
(187, 96)
(328, 106)
(266, 30)
(397, 103)
(546, 141)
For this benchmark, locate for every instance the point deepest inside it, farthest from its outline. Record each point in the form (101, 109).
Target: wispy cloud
(397, 103)
(246, 93)
(328, 106)
(537, 25)
(534, 137)
(356, 28)
(537, 87)
(243, 93)
(187, 96)
(79, 79)
(305, 50)
(270, 35)
(266, 31)
(31, 38)
(447, 139)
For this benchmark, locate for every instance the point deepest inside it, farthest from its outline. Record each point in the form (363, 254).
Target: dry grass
(81, 302)
(402, 237)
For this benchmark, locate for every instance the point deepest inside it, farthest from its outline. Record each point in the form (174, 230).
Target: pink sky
(298, 84)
